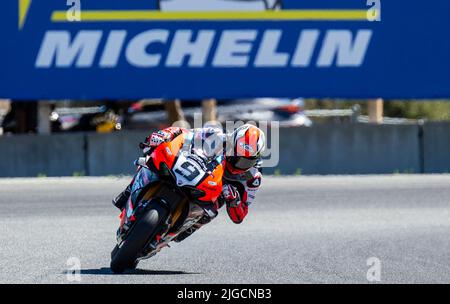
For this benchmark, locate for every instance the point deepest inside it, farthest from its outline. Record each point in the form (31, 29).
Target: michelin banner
(193, 49)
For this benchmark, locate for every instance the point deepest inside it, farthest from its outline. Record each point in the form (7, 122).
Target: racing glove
(231, 196)
(236, 207)
(162, 136)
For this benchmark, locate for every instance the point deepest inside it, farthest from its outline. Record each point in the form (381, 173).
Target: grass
(79, 174)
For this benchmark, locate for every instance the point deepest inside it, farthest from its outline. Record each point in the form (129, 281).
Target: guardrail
(321, 149)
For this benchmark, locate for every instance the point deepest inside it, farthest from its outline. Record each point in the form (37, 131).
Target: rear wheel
(144, 229)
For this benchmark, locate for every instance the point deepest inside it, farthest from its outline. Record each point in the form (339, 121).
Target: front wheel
(143, 230)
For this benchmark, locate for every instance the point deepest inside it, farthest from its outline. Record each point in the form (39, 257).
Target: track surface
(301, 230)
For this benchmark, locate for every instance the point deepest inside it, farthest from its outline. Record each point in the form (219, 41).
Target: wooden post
(375, 109)
(209, 109)
(5, 107)
(43, 119)
(175, 112)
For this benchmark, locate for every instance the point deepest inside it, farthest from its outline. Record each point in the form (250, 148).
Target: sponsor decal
(106, 49)
(247, 147)
(256, 183)
(158, 47)
(169, 152)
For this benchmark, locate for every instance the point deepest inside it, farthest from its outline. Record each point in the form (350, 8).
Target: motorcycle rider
(242, 177)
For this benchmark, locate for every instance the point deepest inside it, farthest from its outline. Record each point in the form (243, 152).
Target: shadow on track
(108, 271)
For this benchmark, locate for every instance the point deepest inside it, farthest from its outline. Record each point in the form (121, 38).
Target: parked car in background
(150, 114)
(289, 113)
(93, 118)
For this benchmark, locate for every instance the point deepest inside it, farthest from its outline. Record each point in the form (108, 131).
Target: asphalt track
(301, 230)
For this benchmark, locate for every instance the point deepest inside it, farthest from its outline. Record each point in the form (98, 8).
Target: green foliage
(432, 110)
(436, 110)
(79, 174)
(406, 171)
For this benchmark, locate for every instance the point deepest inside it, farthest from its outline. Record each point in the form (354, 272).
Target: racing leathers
(239, 189)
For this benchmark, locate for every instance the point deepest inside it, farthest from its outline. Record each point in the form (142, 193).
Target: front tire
(144, 229)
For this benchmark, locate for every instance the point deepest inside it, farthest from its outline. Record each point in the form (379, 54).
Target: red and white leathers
(239, 189)
(246, 186)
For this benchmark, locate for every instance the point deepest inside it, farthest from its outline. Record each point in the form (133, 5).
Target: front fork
(165, 236)
(144, 177)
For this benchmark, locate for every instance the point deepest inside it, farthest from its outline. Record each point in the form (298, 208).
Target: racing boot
(122, 198)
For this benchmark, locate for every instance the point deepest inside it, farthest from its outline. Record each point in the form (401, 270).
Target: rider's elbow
(237, 215)
(237, 221)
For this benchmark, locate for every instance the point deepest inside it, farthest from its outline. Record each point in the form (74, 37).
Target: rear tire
(144, 229)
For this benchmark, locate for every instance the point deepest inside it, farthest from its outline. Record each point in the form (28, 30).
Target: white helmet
(248, 142)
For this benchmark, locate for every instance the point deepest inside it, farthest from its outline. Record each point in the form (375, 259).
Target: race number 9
(190, 172)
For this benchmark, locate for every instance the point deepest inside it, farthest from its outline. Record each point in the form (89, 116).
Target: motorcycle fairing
(142, 179)
(178, 156)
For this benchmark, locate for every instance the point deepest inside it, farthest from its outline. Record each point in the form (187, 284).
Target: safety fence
(321, 149)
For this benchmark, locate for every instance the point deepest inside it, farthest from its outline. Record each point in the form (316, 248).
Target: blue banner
(93, 49)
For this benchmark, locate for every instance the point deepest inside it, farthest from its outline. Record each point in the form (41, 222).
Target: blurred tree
(22, 117)
(430, 110)
(411, 109)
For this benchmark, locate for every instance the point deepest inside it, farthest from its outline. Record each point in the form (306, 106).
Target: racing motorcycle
(170, 192)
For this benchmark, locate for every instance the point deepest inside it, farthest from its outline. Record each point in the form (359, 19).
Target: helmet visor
(242, 162)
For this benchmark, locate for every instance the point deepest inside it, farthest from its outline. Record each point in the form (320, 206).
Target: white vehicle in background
(288, 113)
